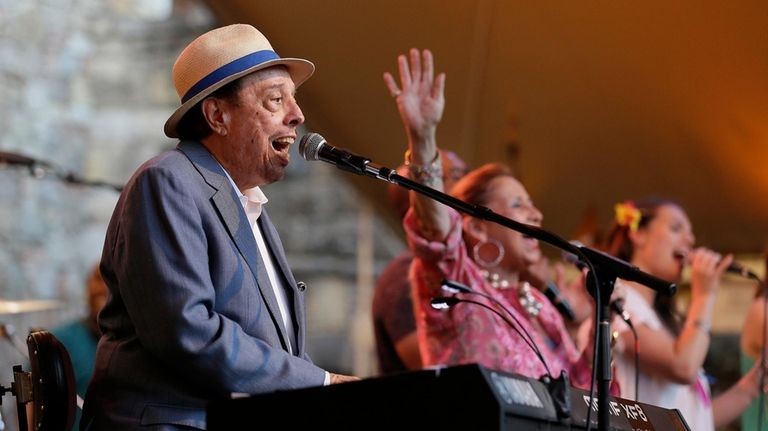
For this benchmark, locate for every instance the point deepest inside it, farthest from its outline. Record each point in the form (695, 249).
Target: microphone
(313, 146)
(733, 268)
(556, 298)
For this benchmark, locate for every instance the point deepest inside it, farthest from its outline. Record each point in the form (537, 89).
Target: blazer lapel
(276, 246)
(233, 216)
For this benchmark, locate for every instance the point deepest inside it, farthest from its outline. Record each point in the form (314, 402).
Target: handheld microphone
(556, 298)
(733, 268)
(313, 146)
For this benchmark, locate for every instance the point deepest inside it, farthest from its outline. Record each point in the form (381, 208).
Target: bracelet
(425, 174)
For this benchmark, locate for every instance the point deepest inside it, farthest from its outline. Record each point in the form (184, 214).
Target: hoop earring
(485, 263)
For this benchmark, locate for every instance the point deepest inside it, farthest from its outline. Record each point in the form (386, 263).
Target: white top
(693, 400)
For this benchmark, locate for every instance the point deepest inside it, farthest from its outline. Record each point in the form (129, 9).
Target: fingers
(439, 87)
(416, 69)
(705, 259)
(341, 378)
(415, 66)
(724, 263)
(389, 80)
(429, 67)
(405, 73)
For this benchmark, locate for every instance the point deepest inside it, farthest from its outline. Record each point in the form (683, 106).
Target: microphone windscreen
(309, 146)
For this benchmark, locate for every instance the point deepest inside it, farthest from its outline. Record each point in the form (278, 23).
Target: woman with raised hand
(484, 256)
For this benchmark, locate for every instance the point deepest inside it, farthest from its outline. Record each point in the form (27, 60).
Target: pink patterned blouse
(469, 333)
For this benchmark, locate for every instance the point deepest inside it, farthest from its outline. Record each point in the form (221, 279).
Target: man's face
(261, 125)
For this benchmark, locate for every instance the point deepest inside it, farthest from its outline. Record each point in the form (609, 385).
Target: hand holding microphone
(731, 267)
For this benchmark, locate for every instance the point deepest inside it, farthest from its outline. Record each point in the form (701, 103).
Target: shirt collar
(252, 200)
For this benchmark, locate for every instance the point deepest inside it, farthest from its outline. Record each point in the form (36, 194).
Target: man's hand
(341, 378)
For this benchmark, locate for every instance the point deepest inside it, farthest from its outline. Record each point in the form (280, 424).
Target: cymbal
(27, 306)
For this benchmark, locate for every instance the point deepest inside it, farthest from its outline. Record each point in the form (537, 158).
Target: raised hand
(419, 96)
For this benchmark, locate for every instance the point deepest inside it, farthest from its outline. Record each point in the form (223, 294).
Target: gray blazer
(191, 315)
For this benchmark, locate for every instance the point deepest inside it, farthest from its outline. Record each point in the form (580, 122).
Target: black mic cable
(618, 308)
(446, 302)
(455, 287)
(558, 387)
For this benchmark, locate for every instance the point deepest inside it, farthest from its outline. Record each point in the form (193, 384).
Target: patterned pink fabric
(469, 333)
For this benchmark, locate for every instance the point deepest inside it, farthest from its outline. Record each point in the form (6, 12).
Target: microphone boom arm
(603, 262)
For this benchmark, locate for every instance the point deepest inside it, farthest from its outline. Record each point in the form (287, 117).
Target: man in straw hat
(202, 302)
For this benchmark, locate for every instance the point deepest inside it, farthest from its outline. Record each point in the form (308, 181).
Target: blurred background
(590, 102)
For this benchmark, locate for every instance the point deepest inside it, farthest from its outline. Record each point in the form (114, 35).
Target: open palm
(420, 97)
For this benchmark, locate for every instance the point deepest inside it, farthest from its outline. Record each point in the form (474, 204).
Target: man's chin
(275, 175)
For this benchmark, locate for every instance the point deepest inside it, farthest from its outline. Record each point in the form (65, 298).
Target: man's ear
(215, 114)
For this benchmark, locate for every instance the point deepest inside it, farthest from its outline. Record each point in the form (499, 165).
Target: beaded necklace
(528, 301)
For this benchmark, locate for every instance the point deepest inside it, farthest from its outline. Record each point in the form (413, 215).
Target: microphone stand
(39, 169)
(604, 268)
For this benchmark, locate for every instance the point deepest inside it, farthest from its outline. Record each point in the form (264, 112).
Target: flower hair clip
(628, 215)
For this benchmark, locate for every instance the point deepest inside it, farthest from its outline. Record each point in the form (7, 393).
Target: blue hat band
(229, 69)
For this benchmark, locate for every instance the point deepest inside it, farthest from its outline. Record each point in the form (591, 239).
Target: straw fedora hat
(221, 56)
